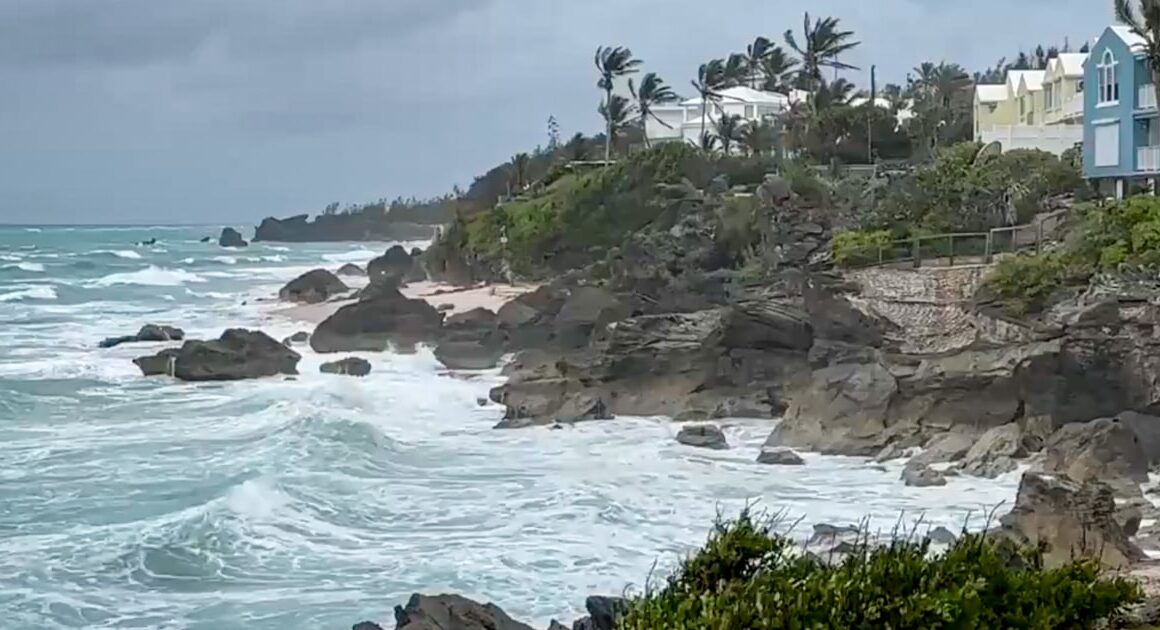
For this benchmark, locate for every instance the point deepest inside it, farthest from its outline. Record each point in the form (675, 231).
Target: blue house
(1121, 133)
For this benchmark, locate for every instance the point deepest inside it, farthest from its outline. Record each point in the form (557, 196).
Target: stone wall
(930, 305)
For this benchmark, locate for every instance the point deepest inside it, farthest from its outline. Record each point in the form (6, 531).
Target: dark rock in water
(779, 457)
(942, 536)
(376, 323)
(446, 306)
(922, 476)
(824, 532)
(351, 269)
(396, 263)
(148, 332)
(703, 436)
(366, 625)
(416, 252)
(604, 611)
(452, 612)
(237, 354)
(1070, 519)
(206, 239)
(312, 287)
(481, 401)
(556, 625)
(471, 341)
(350, 366)
(231, 238)
(149, 241)
(299, 337)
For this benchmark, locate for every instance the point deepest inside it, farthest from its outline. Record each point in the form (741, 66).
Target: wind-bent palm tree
(576, 148)
(776, 70)
(652, 91)
(728, 130)
(949, 82)
(836, 93)
(708, 142)
(922, 77)
(755, 56)
(612, 63)
(823, 42)
(616, 116)
(758, 137)
(710, 80)
(1145, 23)
(518, 171)
(736, 70)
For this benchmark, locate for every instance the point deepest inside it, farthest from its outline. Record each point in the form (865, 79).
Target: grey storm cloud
(229, 110)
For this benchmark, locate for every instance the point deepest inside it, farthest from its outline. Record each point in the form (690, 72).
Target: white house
(683, 121)
(1034, 109)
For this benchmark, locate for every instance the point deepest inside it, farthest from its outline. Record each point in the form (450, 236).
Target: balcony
(1148, 159)
(1146, 96)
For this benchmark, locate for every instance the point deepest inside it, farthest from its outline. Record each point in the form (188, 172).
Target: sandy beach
(448, 298)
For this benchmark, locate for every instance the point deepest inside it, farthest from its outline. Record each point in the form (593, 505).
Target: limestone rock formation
(237, 354)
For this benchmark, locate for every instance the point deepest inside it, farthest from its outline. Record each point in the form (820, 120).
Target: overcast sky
(188, 111)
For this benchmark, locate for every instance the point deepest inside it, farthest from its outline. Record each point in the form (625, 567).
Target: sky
(226, 111)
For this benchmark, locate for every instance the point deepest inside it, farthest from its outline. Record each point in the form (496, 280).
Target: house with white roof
(684, 120)
(1033, 109)
(1121, 138)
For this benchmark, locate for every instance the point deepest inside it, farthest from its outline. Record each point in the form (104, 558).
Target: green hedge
(853, 249)
(749, 578)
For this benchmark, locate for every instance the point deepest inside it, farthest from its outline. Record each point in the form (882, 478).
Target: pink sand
(460, 299)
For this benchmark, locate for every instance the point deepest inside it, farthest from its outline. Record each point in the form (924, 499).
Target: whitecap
(216, 295)
(126, 253)
(187, 261)
(150, 276)
(277, 248)
(39, 292)
(9, 257)
(226, 260)
(355, 255)
(33, 230)
(27, 266)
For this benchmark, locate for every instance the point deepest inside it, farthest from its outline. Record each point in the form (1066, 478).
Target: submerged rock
(703, 436)
(922, 476)
(312, 287)
(452, 612)
(231, 238)
(350, 366)
(299, 337)
(147, 333)
(237, 354)
(779, 457)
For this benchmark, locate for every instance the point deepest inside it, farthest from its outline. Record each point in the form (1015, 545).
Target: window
(750, 114)
(1107, 72)
(1048, 101)
(1107, 141)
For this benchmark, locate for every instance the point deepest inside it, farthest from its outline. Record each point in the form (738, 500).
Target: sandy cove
(437, 294)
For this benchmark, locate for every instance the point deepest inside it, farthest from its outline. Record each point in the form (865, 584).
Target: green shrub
(855, 248)
(747, 577)
(1024, 284)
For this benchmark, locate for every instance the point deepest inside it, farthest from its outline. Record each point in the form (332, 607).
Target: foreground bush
(747, 577)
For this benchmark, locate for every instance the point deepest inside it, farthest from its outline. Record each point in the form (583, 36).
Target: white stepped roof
(743, 94)
(991, 93)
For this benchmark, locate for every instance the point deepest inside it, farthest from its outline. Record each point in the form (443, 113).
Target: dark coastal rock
(351, 269)
(312, 287)
(1106, 450)
(529, 319)
(603, 613)
(452, 612)
(585, 310)
(945, 447)
(206, 239)
(350, 366)
(703, 436)
(231, 238)
(299, 337)
(995, 452)
(922, 476)
(378, 322)
(397, 264)
(237, 354)
(361, 226)
(779, 457)
(147, 333)
(941, 536)
(1071, 519)
(471, 341)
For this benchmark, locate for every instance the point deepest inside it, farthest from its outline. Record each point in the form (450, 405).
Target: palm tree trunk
(608, 125)
(704, 103)
(643, 128)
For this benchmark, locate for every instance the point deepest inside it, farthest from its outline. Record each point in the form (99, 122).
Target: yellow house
(992, 107)
(1027, 86)
(1063, 89)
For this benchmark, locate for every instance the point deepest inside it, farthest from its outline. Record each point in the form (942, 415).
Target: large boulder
(351, 269)
(350, 366)
(1105, 449)
(995, 452)
(231, 238)
(471, 340)
(396, 263)
(237, 354)
(922, 476)
(585, 310)
(528, 319)
(703, 436)
(1070, 519)
(944, 447)
(376, 323)
(452, 612)
(147, 333)
(603, 613)
(312, 287)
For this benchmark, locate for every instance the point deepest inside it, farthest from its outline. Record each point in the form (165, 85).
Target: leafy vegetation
(747, 577)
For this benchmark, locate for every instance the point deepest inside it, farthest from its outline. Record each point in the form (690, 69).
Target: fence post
(915, 253)
(880, 256)
(951, 250)
(989, 248)
(1038, 237)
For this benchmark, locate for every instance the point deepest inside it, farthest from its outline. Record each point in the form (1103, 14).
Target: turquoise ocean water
(128, 502)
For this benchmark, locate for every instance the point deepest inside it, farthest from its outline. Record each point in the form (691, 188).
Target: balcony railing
(1148, 159)
(1146, 96)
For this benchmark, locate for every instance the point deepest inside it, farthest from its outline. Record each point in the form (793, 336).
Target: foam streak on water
(146, 503)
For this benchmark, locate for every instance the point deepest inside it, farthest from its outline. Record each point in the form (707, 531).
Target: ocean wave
(33, 229)
(150, 276)
(10, 257)
(355, 255)
(39, 292)
(119, 253)
(274, 258)
(216, 295)
(27, 266)
(277, 248)
(226, 260)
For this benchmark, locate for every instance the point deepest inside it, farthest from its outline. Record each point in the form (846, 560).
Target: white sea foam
(226, 260)
(38, 292)
(125, 253)
(150, 276)
(31, 267)
(10, 257)
(355, 255)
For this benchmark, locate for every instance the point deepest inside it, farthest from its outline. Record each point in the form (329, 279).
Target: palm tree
(755, 56)
(1145, 23)
(518, 171)
(612, 62)
(728, 130)
(776, 69)
(922, 77)
(949, 81)
(576, 148)
(823, 42)
(836, 93)
(758, 137)
(708, 142)
(710, 79)
(736, 70)
(616, 118)
(652, 91)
